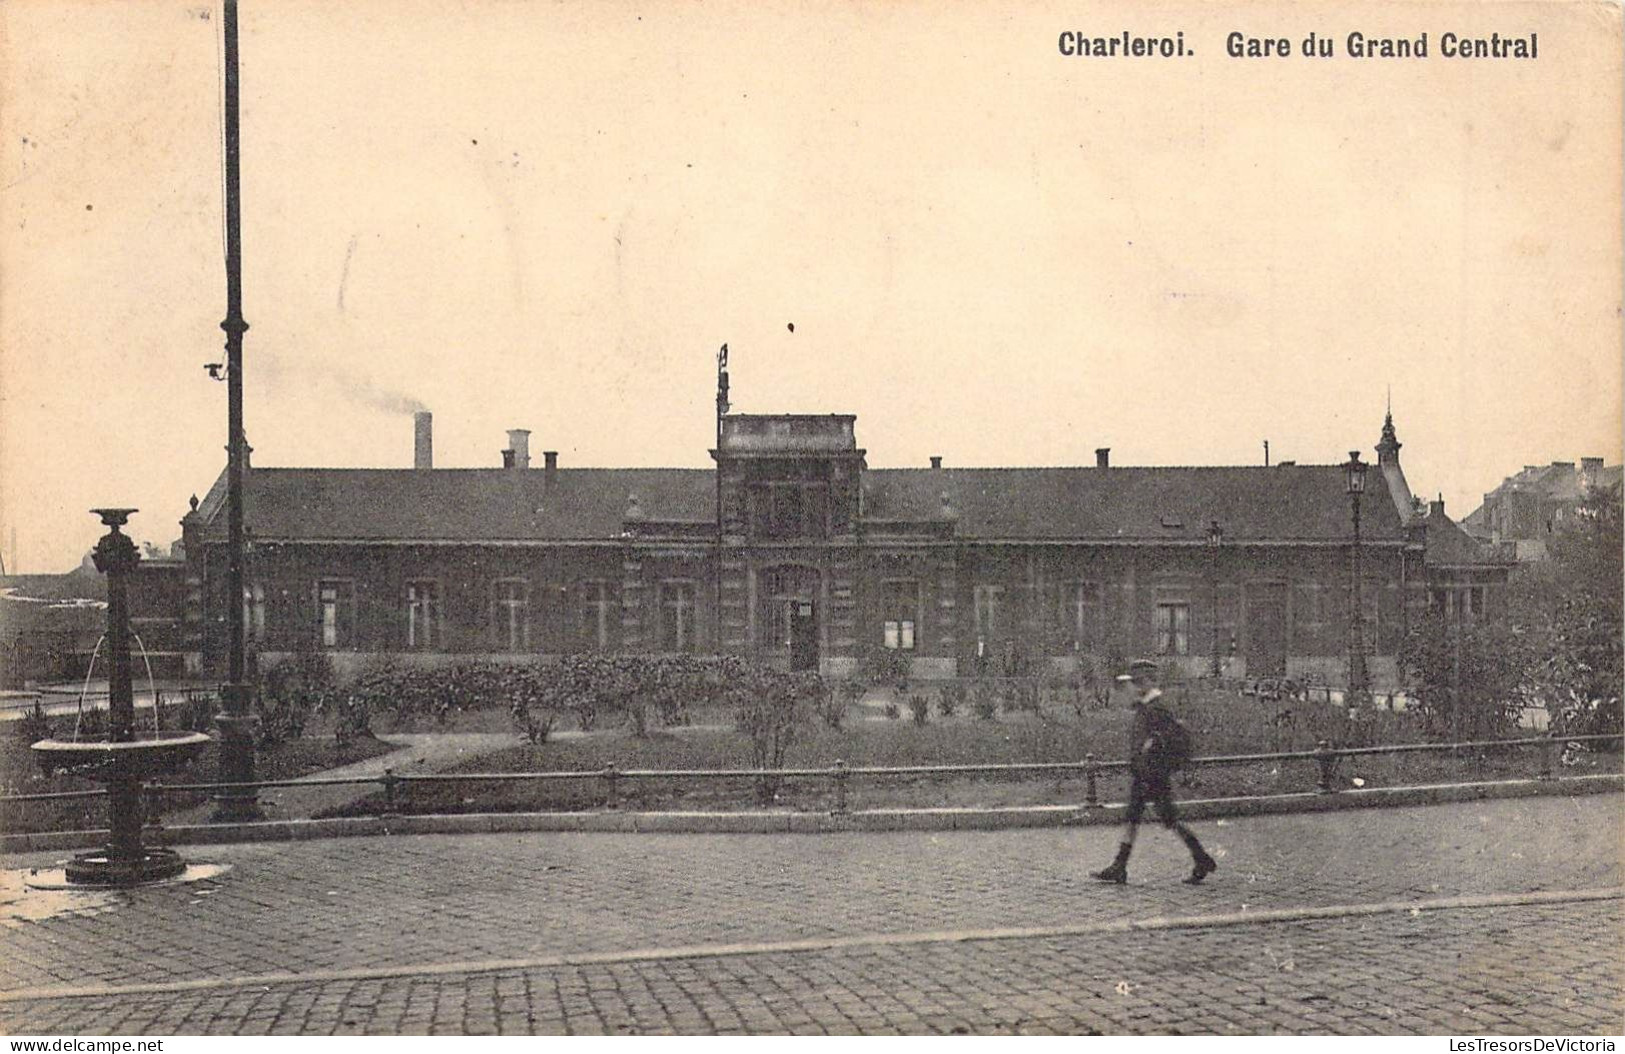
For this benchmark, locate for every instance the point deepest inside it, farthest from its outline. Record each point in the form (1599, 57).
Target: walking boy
(1160, 745)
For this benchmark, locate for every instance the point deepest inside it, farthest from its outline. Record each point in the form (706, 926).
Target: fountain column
(115, 556)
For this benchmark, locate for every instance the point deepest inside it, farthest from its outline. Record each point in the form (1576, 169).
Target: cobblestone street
(1472, 918)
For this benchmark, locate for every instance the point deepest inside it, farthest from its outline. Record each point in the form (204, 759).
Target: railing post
(611, 775)
(1548, 757)
(389, 780)
(841, 776)
(1326, 759)
(1091, 769)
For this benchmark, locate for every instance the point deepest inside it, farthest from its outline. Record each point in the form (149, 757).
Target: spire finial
(1388, 446)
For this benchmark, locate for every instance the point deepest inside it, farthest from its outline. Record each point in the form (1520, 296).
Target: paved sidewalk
(488, 932)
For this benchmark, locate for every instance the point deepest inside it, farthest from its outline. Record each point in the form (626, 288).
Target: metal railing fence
(395, 786)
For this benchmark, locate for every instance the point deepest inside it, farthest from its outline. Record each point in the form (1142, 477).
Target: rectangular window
(987, 603)
(1173, 629)
(511, 614)
(596, 611)
(789, 510)
(254, 613)
(423, 615)
(677, 616)
(900, 612)
(1077, 616)
(335, 603)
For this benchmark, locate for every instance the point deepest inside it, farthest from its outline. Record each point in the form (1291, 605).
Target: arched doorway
(788, 616)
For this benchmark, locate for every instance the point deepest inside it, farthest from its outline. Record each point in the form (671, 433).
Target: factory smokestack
(423, 440)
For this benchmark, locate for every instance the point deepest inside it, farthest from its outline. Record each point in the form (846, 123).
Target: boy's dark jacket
(1161, 743)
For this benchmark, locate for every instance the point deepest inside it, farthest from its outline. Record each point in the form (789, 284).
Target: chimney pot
(507, 459)
(423, 440)
(550, 462)
(519, 444)
(1103, 457)
(936, 460)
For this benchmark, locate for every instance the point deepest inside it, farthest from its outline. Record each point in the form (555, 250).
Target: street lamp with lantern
(1355, 471)
(236, 720)
(1215, 538)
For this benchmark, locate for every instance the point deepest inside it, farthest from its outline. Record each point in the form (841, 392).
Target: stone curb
(783, 822)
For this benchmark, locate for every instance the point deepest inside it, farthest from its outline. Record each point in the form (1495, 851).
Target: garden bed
(1224, 726)
(314, 752)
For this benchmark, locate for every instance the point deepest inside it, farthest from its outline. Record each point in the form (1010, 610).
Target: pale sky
(549, 215)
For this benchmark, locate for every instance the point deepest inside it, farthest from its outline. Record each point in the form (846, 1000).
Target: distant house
(1530, 506)
(816, 558)
(49, 625)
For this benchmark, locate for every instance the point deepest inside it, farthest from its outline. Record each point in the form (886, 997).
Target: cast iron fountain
(124, 758)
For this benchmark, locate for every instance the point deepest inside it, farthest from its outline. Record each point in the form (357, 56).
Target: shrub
(886, 667)
(832, 706)
(770, 710)
(984, 701)
(950, 699)
(1467, 680)
(920, 708)
(892, 713)
(33, 726)
(352, 719)
(90, 724)
(533, 726)
(192, 712)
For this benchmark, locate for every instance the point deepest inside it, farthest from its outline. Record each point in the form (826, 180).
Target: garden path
(416, 753)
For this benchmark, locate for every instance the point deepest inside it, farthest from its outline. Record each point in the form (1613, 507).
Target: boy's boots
(1118, 871)
(1202, 864)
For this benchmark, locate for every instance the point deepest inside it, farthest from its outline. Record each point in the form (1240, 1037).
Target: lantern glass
(1356, 473)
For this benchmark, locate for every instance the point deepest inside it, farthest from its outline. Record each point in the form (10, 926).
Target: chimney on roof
(423, 440)
(518, 453)
(936, 460)
(1103, 457)
(550, 462)
(1436, 507)
(1562, 464)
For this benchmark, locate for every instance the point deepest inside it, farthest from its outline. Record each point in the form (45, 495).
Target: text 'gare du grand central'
(794, 551)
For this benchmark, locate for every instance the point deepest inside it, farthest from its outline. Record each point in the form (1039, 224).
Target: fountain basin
(150, 755)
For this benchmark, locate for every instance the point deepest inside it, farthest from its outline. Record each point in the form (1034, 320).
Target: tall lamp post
(722, 410)
(1355, 471)
(236, 723)
(1215, 538)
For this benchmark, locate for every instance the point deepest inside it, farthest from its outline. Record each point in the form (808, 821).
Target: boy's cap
(1141, 666)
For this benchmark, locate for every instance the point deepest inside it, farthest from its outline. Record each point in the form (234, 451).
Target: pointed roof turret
(1388, 446)
(1388, 462)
